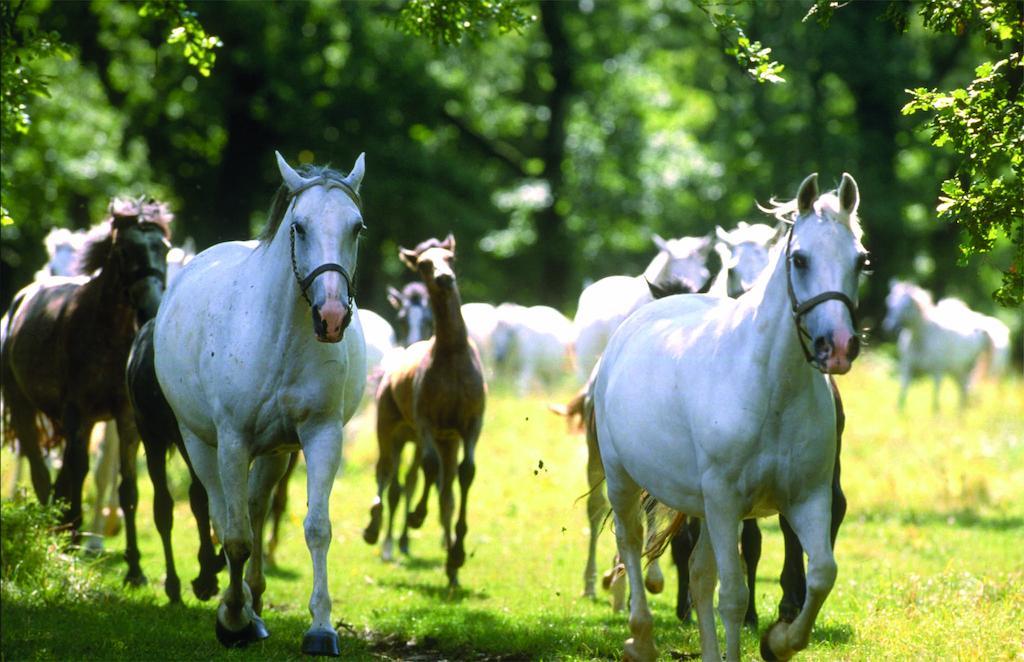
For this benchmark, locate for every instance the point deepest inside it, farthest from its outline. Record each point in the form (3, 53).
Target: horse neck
(274, 267)
(449, 327)
(657, 268)
(770, 319)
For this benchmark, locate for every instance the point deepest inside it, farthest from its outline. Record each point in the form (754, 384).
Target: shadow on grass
(440, 592)
(968, 518)
(420, 563)
(281, 572)
(121, 628)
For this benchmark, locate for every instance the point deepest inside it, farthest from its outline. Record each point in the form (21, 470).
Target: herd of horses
(706, 394)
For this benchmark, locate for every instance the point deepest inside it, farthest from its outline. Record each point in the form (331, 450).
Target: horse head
(412, 307)
(433, 260)
(322, 215)
(904, 303)
(682, 261)
(744, 253)
(824, 259)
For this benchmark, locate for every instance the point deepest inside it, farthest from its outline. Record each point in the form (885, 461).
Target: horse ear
(408, 257)
(807, 194)
(849, 194)
(449, 242)
(394, 298)
(292, 179)
(355, 178)
(661, 244)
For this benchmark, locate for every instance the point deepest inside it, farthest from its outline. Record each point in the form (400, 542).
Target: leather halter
(800, 309)
(304, 283)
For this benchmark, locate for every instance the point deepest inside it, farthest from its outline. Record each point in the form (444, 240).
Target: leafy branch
(754, 57)
(448, 22)
(198, 47)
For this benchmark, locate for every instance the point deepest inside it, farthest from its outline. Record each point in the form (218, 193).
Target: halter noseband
(800, 309)
(304, 283)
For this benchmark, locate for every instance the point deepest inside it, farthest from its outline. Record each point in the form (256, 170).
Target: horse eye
(799, 260)
(299, 230)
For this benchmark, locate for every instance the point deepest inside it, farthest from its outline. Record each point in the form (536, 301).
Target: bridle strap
(800, 309)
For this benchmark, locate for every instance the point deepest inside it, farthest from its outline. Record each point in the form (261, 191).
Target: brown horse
(434, 395)
(66, 342)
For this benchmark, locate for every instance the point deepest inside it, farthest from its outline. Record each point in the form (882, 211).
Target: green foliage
(198, 47)
(20, 49)
(447, 23)
(35, 566)
(984, 124)
(755, 58)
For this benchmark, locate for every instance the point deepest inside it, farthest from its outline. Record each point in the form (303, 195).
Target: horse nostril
(853, 348)
(822, 347)
(318, 322)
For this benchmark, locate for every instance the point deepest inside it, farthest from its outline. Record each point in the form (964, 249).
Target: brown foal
(434, 395)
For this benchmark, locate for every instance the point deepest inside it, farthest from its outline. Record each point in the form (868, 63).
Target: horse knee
(821, 575)
(467, 471)
(318, 531)
(238, 550)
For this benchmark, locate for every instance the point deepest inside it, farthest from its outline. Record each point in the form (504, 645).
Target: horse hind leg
(394, 498)
(129, 492)
(389, 452)
(26, 432)
(683, 544)
(431, 468)
(750, 546)
(267, 473)
(105, 480)
(629, 534)
(412, 476)
(205, 585)
(163, 516)
(597, 508)
(278, 507)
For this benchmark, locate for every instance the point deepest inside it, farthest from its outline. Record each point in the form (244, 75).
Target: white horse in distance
(532, 344)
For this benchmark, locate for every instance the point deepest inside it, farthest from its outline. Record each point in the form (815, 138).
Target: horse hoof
(135, 580)
(403, 545)
(767, 652)
(251, 633)
(416, 519)
(172, 587)
(751, 622)
(634, 652)
(204, 587)
(321, 642)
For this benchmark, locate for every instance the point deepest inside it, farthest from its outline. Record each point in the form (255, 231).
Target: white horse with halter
(718, 409)
(250, 380)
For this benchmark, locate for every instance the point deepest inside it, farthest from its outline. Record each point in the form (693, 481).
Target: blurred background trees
(551, 138)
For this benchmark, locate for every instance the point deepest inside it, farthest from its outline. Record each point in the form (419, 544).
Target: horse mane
(428, 243)
(282, 197)
(93, 254)
(416, 292)
(827, 205)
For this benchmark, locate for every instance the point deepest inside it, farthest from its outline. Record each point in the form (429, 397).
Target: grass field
(931, 555)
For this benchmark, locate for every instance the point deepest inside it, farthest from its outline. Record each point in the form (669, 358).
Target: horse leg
(322, 450)
(73, 470)
(163, 515)
(394, 497)
(937, 379)
(654, 581)
(597, 507)
(129, 491)
(703, 574)
(467, 471)
(204, 586)
(624, 495)
(722, 523)
(431, 467)
(278, 506)
(412, 476)
(389, 453)
(449, 451)
(23, 420)
(104, 478)
(267, 472)
(901, 401)
(811, 521)
(750, 546)
(683, 544)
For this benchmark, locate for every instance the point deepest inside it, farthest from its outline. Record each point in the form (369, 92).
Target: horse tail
(659, 542)
(574, 411)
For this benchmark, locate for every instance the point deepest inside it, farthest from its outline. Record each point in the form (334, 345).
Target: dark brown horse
(434, 396)
(66, 341)
(158, 429)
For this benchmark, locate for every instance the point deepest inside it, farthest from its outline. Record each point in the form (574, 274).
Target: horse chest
(449, 395)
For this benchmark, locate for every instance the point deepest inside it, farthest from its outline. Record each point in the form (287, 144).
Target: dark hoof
(751, 622)
(321, 642)
(372, 530)
(205, 587)
(684, 614)
(403, 545)
(457, 556)
(766, 648)
(135, 579)
(788, 611)
(251, 633)
(416, 518)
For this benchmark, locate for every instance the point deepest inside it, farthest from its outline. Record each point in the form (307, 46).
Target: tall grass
(931, 556)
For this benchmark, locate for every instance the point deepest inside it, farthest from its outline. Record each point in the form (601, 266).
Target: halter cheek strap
(800, 309)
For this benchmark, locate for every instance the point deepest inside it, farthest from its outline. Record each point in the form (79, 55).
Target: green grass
(931, 556)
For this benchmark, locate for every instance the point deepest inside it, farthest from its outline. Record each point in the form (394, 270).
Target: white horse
(934, 340)
(744, 255)
(605, 304)
(380, 339)
(532, 343)
(249, 380)
(718, 409)
(481, 323)
(997, 331)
